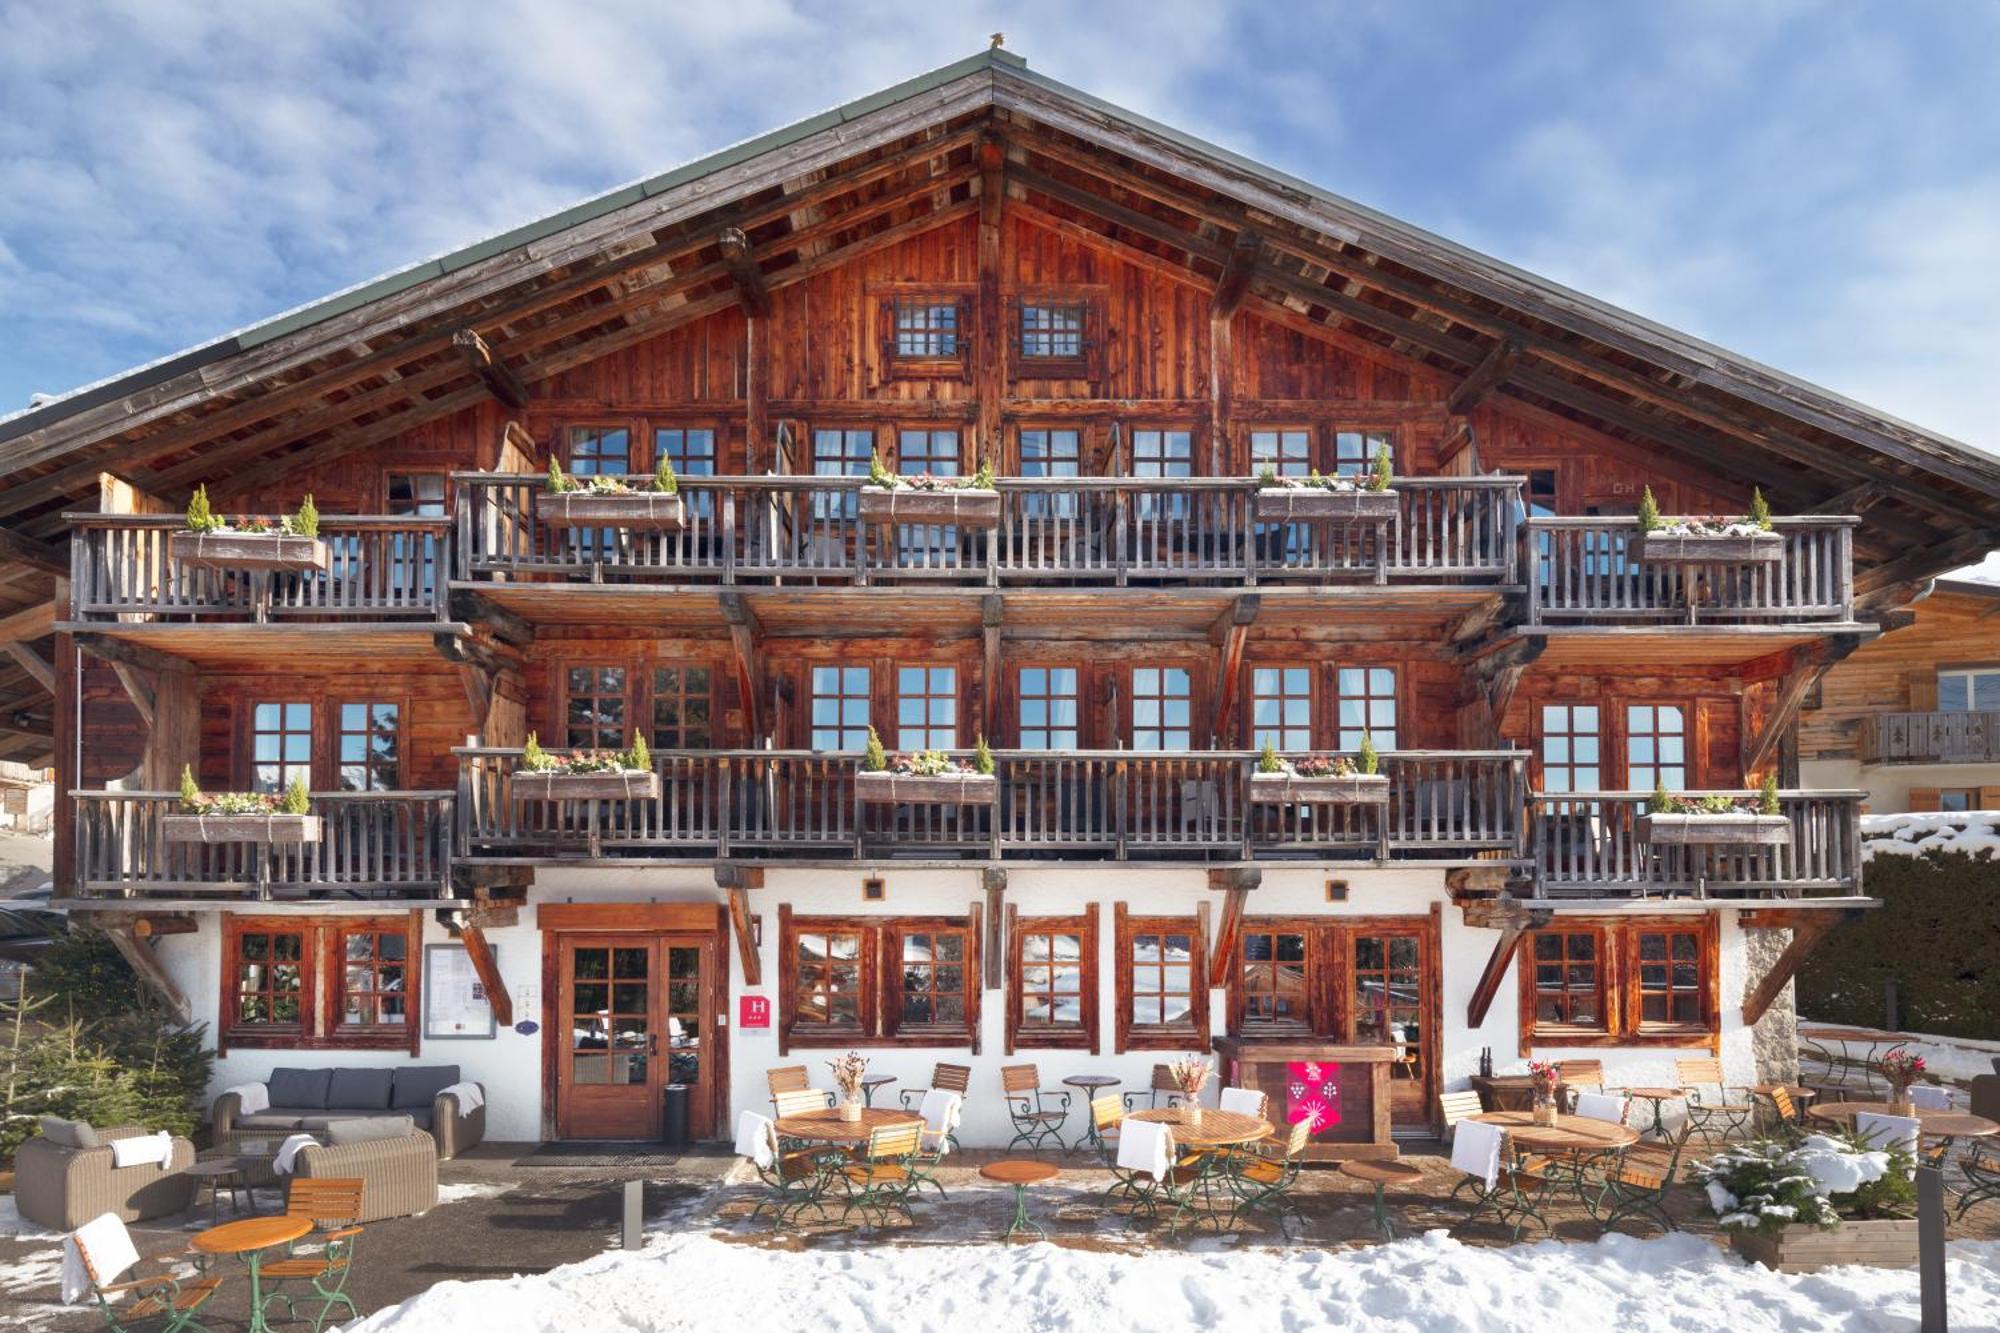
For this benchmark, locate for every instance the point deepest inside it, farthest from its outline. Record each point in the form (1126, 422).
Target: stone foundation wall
(1775, 1039)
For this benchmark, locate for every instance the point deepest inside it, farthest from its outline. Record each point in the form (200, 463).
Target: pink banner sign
(1313, 1090)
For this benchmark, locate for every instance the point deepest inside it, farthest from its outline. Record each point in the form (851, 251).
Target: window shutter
(1923, 799)
(1989, 798)
(965, 337)
(1923, 692)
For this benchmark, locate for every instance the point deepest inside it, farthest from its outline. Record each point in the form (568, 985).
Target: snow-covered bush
(1821, 1180)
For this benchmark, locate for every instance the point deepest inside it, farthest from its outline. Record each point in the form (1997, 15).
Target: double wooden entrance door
(638, 1013)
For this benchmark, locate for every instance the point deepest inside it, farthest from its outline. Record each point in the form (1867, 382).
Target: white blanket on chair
(940, 1112)
(111, 1255)
(754, 1139)
(1930, 1097)
(250, 1097)
(289, 1149)
(470, 1098)
(1146, 1147)
(142, 1150)
(1475, 1150)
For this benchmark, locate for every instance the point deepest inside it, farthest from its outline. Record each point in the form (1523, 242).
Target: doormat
(601, 1154)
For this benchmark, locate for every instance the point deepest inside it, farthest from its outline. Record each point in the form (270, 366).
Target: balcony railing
(1102, 531)
(1582, 570)
(1586, 844)
(1930, 738)
(377, 569)
(1112, 805)
(371, 844)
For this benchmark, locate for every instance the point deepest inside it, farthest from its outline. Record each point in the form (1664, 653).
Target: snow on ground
(1432, 1283)
(13, 1224)
(1957, 1059)
(472, 1189)
(1976, 833)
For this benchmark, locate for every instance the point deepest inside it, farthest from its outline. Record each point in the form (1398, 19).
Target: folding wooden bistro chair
(332, 1205)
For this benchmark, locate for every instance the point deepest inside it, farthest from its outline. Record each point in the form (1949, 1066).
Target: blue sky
(1815, 184)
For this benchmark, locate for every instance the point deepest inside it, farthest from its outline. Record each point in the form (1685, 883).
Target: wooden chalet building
(1130, 327)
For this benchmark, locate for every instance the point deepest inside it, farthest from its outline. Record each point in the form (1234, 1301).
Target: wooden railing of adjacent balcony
(377, 569)
(1586, 845)
(1119, 805)
(1930, 738)
(371, 844)
(1103, 531)
(1579, 570)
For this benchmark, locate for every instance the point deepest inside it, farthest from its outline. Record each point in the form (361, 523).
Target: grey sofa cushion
(305, 1088)
(368, 1129)
(359, 1090)
(68, 1133)
(422, 1116)
(278, 1117)
(419, 1085)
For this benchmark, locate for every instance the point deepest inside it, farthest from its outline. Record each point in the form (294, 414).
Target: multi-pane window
(1048, 708)
(852, 980)
(932, 451)
(1568, 979)
(1388, 994)
(691, 451)
(1969, 691)
(416, 494)
(1366, 707)
(826, 979)
(368, 746)
(1052, 980)
(1655, 747)
(270, 977)
(926, 708)
(1051, 332)
(600, 451)
(1050, 453)
(1162, 453)
(373, 967)
(840, 453)
(1162, 709)
(596, 716)
(1354, 451)
(1281, 707)
(683, 708)
(926, 328)
(1571, 748)
(1670, 976)
(413, 555)
(935, 972)
(280, 745)
(1164, 965)
(1286, 452)
(1271, 977)
(839, 707)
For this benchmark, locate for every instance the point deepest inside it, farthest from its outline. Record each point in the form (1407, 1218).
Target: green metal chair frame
(1636, 1189)
(1263, 1183)
(880, 1181)
(1507, 1198)
(331, 1200)
(951, 1078)
(1034, 1122)
(1107, 1117)
(796, 1179)
(160, 1295)
(1982, 1176)
(1163, 1086)
(1713, 1122)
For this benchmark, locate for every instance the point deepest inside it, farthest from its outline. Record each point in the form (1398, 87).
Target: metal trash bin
(675, 1131)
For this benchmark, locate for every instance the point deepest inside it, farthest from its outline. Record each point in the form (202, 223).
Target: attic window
(925, 334)
(1051, 332)
(926, 329)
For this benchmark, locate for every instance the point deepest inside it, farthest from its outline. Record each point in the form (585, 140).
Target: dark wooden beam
(1493, 680)
(743, 635)
(992, 610)
(1231, 636)
(131, 654)
(494, 373)
(1808, 665)
(1857, 499)
(165, 923)
(1807, 932)
(1222, 951)
(994, 956)
(29, 623)
(1234, 283)
(989, 349)
(476, 608)
(744, 273)
(1511, 930)
(1489, 374)
(1935, 559)
(32, 662)
(25, 550)
(152, 973)
(480, 954)
(746, 941)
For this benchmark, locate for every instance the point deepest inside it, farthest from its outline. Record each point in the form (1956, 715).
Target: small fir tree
(1760, 509)
(638, 758)
(190, 791)
(199, 517)
(1267, 476)
(874, 759)
(1267, 759)
(1661, 803)
(1365, 759)
(664, 480)
(1384, 470)
(533, 757)
(879, 473)
(305, 523)
(1649, 511)
(558, 483)
(1767, 796)
(982, 757)
(297, 801)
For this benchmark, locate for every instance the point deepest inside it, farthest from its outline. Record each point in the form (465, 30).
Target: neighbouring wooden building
(1146, 338)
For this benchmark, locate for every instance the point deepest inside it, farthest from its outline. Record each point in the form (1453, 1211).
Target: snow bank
(1975, 832)
(1432, 1283)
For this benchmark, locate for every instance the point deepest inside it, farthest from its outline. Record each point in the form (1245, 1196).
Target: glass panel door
(1386, 1008)
(608, 1077)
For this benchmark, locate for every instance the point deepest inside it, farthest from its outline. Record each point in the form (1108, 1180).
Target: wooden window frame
(1705, 981)
(338, 732)
(1691, 766)
(1087, 364)
(1017, 698)
(1604, 968)
(337, 961)
(1128, 683)
(1398, 684)
(880, 956)
(316, 748)
(651, 674)
(1317, 960)
(1128, 1033)
(1541, 735)
(956, 695)
(930, 428)
(1313, 705)
(321, 953)
(565, 440)
(1085, 1035)
(631, 671)
(1618, 979)
(894, 364)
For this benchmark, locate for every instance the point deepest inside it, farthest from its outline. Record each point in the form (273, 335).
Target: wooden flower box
(1877, 1242)
(276, 829)
(273, 552)
(1291, 789)
(651, 511)
(1657, 548)
(1310, 504)
(617, 785)
(964, 508)
(1703, 830)
(926, 789)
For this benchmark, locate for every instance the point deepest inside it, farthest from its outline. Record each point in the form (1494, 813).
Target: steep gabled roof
(370, 362)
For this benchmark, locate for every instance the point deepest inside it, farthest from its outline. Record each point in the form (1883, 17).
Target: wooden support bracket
(138, 952)
(32, 662)
(746, 940)
(992, 609)
(499, 378)
(139, 655)
(744, 272)
(1231, 635)
(743, 635)
(480, 954)
(15, 548)
(1234, 883)
(1808, 929)
(1493, 680)
(1808, 664)
(994, 880)
(1488, 375)
(1512, 927)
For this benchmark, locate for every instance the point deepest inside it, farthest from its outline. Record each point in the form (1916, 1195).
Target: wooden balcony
(1929, 738)
(1586, 845)
(372, 845)
(1092, 805)
(1107, 532)
(378, 570)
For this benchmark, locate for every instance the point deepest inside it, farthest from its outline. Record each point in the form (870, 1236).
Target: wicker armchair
(399, 1176)
(62, 1187)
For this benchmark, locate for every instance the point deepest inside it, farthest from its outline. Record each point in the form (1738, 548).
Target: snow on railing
(1974, 832)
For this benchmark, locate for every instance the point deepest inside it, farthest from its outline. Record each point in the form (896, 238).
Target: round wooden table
(871, 1082)
(827, 1127)
(1380, 1173)
(1091, 1084)
(1218, 1129)
(250, 1237)
(1658, 1097)
(1933, 1124)
(1570, 1133)
(1020, 1172)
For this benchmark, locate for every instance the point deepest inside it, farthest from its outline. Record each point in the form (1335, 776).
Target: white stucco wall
(510, 1065)
(1888, 785)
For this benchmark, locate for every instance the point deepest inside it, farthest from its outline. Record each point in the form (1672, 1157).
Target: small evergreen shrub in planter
(286, 545)
(1705, 541)
(1319, 779)
(277, 818)
(1317, 498)
(585, 775)
(928, 777)
(1715, 821)
(1821, 1201)
(958, 502)
(612, 502)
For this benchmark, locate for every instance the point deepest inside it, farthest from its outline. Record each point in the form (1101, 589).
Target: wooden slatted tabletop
(827, 1127)
(1570, 1133)
(1218, 1129)
(1936, 1124)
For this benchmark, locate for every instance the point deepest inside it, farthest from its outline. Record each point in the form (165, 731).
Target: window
(840, 453)
(1569, 982)
(1969, 691)
(932, 451)
(319, 983)
(1052, 331)
(280, 745)
(1281, 707)
(595, 719)
(683, 708)
(1050, 453)
(368, 746)
(1670, 980)
(926, 328)
(1952, 800)
(1354, 451)
(692, 454)
(1048, 708)
(413, 556)
(1162, 983)
(1162, 453)
(1286, 452)
(1052, 981)
(1655, 747)
(840, 708)
(926, 708)
(600, 451)
(373, 963)
(416, 494)
(1367, 706)
(1570, 748)
(1162, 709)
(859, 981)
(1271, 979)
